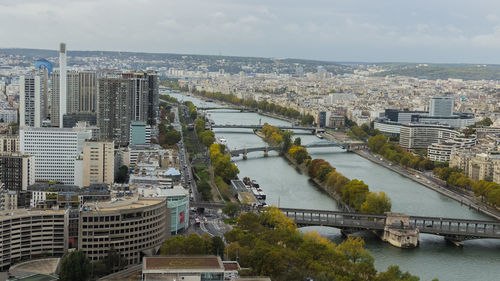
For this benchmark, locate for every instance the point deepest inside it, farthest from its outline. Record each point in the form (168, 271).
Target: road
(429, 181)
(187, 178)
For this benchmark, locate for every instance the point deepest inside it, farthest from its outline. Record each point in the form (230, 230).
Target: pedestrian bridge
(455, 230)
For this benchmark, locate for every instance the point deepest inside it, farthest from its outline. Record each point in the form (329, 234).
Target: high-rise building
(72, 96)
(88, 91)
(441, 107)
(98, 162)
(31, 99)
(17, 170)
(145, 96)
(71, 119)
(55, 151)
(113, 109)
(62, 83)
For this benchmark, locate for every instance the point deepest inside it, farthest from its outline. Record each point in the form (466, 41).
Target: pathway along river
(284, 185)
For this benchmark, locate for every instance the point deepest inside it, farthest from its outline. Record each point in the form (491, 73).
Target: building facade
(17, 170)
(98, 162)
(441, 106)
(114, 109)
(140, 133)
(30, 234)
(134, 227)
(55, 151)
(9, 143)
(31, 100)
(420, 136)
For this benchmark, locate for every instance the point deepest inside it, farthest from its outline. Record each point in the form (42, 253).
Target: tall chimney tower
(62, 83)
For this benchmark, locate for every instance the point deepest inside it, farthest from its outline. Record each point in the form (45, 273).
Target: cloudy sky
(347, 30)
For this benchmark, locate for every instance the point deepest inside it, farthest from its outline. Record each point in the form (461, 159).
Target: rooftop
(123, 204)
(175, 263)
(7, 214)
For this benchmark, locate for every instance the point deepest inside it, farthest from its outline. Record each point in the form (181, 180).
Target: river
(287, 187)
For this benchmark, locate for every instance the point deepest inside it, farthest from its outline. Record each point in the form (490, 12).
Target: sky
(438, 31)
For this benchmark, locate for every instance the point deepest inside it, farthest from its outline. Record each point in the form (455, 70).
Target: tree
(111, 263)
(393, 273)
(354, 193)
(172, 137)
(75, 266)
(353, 250)
(218, 246)
(287, 140)
(225, 168)
(207, 137)
(307, 119)
(232, 209)
(377, 203)
(122, 174)
(375, 143)
(298, 153)
(297, 141)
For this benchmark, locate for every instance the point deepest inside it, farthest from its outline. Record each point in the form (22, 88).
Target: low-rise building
(192, 268)
(8, 199)
(420, 136)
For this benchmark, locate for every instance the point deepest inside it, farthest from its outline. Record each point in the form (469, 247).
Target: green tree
(218, 246)
(375, 143)
(75, 266)
(377, 203)
(232, 209)
(307, 119)
(207, 137)
(297, 141)
(172, 137)
(122, 174)
(394, 273)
(354, 193)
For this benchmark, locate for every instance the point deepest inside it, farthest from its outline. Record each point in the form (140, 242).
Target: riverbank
(319, 184)
(438, 188)
(302, 168)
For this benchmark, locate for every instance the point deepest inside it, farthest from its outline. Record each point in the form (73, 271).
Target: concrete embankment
(440, 189)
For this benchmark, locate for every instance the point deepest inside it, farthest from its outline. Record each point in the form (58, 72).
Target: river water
(287, 187)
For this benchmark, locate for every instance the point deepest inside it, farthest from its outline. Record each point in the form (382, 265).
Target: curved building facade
(134, 227)
(29, 234)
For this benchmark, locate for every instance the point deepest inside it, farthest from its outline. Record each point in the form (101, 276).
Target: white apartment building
(31, 100)
(55, 151)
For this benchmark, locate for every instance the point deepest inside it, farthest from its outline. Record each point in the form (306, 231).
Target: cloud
(389, 30)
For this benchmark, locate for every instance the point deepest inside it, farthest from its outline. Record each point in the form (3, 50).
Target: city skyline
(361, 31)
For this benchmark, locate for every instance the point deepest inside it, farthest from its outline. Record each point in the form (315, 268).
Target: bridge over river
(349, 146)
(452, 229)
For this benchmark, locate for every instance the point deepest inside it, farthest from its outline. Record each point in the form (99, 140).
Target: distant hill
(443, 71)
(230, 64)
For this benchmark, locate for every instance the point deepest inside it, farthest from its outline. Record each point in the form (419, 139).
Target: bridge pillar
(245, 155)
(454, 241)
(266, 152)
